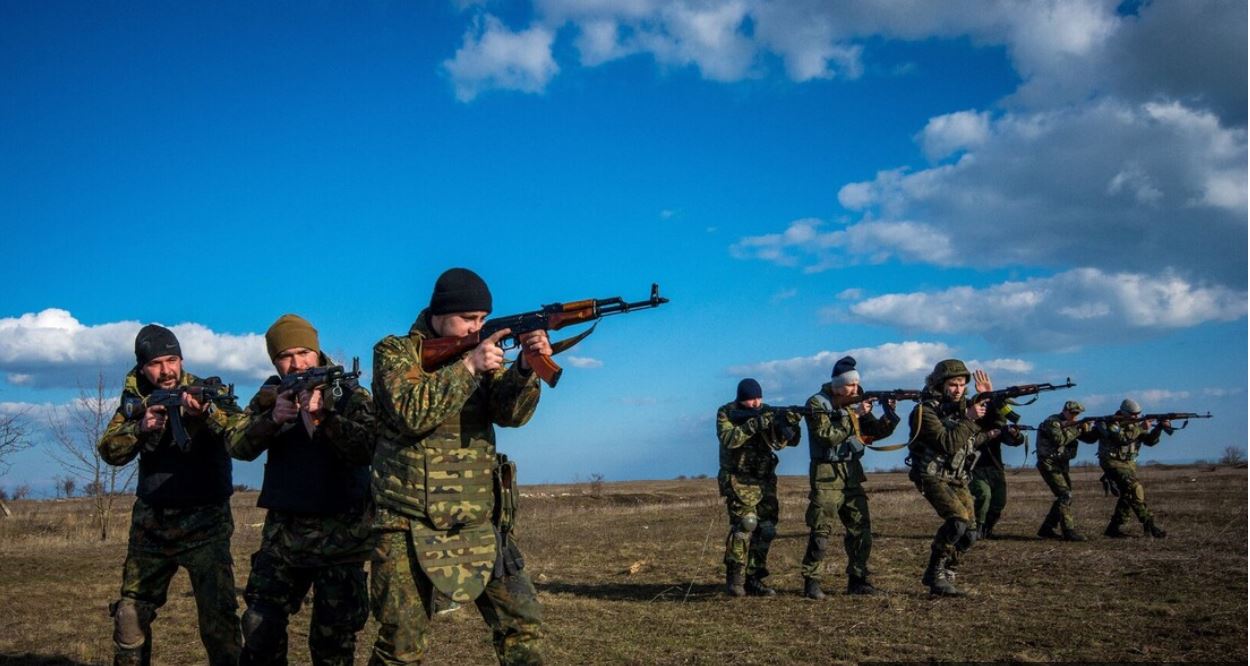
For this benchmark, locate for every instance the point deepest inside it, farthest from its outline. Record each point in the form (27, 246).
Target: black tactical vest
(168, 477)
(305, 475)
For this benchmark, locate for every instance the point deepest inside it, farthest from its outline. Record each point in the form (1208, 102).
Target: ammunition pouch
(506, 494)
(509, 562)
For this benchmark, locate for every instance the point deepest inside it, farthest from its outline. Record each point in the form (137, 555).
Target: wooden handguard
(569, 317)
(546, 368)
(435, 352)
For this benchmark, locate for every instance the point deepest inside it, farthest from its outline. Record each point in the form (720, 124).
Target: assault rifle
(330, 375)
(1012, 392)
(1160, 417)
(741, 415)
(210, 389)
(437, 352)
(879, 396)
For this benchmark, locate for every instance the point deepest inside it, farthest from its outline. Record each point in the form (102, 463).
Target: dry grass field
(631, 574)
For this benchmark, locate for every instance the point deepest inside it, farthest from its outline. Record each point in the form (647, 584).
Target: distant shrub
(1232, 456)
(701, 476)
(596, 485)
(241, 488)
(682, 477)
(21, 492)
(4, 494)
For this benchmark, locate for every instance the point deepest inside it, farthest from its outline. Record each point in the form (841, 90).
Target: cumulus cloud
(494, 57)
(1064, 311)
(952, 132)
(53, 349)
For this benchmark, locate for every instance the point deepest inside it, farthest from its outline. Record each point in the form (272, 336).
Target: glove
(793, 418)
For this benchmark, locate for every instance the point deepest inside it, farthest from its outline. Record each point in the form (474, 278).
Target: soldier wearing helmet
(1119, 440)
(1057, 439)
(947, 430)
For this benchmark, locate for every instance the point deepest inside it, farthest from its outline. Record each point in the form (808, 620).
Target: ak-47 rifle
(1012, 392)
(332, 376)
(1159, 418)
(741, 415)
(879, 396)
(210, 389)
(437, 352)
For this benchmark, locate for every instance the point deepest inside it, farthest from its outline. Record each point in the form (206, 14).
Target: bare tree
(75, 431)
(14, 436)
(1233, 456)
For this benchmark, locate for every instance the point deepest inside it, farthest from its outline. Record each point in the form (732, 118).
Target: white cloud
(52, 348)
(906, 363)
(1125, 188)
(953, 132)
(1063, 311)
(494, 57)
(583, 362)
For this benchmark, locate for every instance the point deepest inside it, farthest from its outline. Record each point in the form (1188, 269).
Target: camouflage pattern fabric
(197, 539)
(836, 488)
(1132, 501)
(748, 482)
(402, 598)
(989, 494)
(1054, 472)
(122, 441)
(433, 485)
(1056, 439)
(953, 502)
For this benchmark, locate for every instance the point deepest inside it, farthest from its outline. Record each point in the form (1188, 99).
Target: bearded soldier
(1118, 444)
(1057, 439)
(181, 517)
(947, 430)
(316, 489)
(835, 438)
(748, 435)
(989, 481)
(436, 478)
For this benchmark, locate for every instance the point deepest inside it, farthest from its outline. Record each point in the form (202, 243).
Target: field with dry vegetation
(631, 573)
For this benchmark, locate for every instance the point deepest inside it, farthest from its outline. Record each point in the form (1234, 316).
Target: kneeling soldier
(834, 437)
(181, 517)
(317, 534)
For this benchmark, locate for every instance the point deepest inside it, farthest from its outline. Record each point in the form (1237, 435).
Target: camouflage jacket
(831, 440)
(1118, 441)
(1058, 440)
(944, 441)
(317, 541)
(168, 477)
(744, 450)
(435, 454)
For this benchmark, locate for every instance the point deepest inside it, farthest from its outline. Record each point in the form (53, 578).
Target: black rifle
(1011, 392)
(210, 389)
(742, 414)
(332, 376)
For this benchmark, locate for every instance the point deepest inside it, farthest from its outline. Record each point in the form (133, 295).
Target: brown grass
(633, 576)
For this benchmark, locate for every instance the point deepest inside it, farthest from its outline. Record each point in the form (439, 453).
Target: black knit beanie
(459, 290)
(749, 389)
(154, 341)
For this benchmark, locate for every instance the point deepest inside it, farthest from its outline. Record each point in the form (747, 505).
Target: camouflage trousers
(1132, 500)
(989, 495)
(1054, 472)
(750, 501)
(953, 503)
(162, 540)
(828, 503)
(276, 590)
(402, 599)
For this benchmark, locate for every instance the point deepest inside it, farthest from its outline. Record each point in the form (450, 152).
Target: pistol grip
(544, 366)
(181, 439)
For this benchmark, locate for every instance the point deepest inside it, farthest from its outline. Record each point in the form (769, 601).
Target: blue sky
(1045, 190)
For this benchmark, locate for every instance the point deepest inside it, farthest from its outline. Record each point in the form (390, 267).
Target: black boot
(755, 587)
(1070, 534)
(939, 579)
(859, 585)
(1113, 530)
(735, 581)
(1048, 532)
(811, 589)
(1154, 530)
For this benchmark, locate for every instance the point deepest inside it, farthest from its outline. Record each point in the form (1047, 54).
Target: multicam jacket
(832, 438)
(1057, 440)
(744, 450)
(435, 453)
(316, 486)
(169, 477)
(1118, 441)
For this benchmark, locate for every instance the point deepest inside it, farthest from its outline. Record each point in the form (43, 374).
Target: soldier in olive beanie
(289, 332)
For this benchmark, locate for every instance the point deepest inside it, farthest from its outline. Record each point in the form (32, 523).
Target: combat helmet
(944, 370)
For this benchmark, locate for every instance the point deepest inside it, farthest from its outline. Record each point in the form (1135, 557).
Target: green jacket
(943, 440)
(435, 454)
(1122, 441)
(1058, 440)
(744, 451)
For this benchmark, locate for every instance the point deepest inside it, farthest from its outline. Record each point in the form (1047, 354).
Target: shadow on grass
(669, 593)
(37, 660)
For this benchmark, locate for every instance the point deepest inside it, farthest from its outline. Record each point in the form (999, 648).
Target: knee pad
(264, 631)
(131, 621)
(767, 531)
(748, 523)
(952, 530)
(1065, 497)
